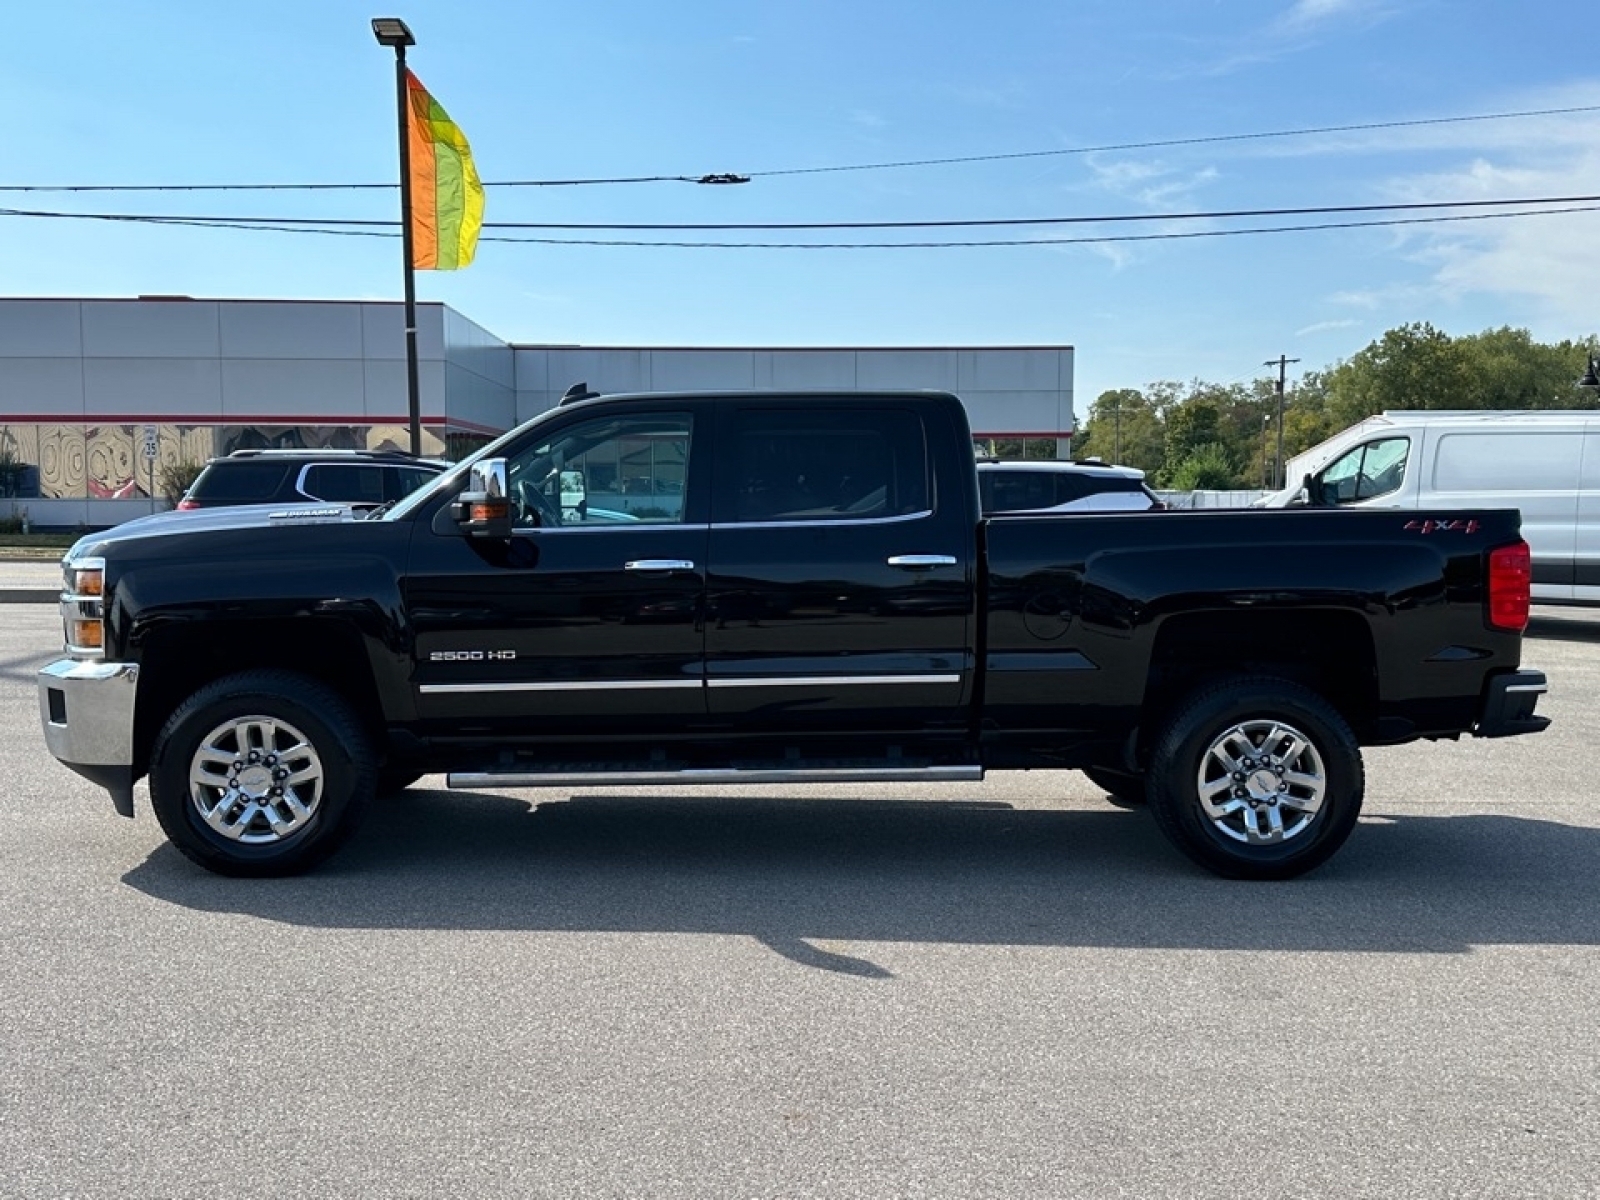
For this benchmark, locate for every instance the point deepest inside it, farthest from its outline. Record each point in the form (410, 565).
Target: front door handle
(916, 562)
(659, 564)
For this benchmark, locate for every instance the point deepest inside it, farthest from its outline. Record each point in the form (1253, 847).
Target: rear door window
(825, 464)
(1013, 491)
(345, 483)
(235, 481)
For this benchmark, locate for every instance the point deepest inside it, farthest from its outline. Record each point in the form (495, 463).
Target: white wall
(1008, 391)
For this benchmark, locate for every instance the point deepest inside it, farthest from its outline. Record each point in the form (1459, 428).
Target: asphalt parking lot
(1010, 989)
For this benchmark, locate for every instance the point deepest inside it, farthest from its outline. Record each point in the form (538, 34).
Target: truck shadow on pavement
(792, 872)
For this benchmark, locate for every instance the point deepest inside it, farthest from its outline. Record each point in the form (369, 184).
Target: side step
(700, 776)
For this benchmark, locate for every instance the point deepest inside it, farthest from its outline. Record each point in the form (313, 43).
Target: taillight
(1510, 587)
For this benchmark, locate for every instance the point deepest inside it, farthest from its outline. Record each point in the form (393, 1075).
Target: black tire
(1124, 787)
(307, 744)
(1294, 797)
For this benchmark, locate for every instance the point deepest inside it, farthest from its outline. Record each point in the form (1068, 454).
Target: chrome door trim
(826, 680)
(628, 685)
(601, 685)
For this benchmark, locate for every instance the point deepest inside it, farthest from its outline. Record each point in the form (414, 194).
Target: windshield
(453, 480)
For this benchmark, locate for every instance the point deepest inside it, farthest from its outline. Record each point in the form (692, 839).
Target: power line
(1191, 141)
(1057, 241)
(798, 226)
(731, 177)
(715, 178)
(304, 228)
(997, 222)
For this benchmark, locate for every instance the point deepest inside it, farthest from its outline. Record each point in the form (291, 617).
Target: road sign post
(152, 448)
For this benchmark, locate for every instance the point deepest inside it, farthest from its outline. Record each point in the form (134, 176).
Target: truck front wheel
(1256, 778)
(261, 773)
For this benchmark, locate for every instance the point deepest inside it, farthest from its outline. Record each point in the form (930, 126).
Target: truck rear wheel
(1256, 778)
(261, 773)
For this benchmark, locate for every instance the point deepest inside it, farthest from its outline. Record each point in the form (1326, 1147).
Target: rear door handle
(659, 564)
(915, 562)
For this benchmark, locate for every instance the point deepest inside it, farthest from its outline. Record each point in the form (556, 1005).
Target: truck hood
(212, 520)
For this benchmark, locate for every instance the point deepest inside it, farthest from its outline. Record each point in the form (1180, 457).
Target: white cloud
(1325, 327)
(1544, 268)
(1306, 13)
(1300, 27)
(1149, 182)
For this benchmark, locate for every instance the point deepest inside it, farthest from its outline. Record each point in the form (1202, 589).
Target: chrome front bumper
(86, 708)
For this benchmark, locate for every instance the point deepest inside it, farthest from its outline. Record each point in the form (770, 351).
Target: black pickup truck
(757, 588)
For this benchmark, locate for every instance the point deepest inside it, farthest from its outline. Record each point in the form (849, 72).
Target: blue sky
(174, 92)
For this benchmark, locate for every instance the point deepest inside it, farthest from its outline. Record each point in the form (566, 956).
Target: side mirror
(1311, 491)
(484, 509)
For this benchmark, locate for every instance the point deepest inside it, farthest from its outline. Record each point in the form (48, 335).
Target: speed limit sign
(152, 441)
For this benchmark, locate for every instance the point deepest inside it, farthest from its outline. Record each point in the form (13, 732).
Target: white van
(1546, 463)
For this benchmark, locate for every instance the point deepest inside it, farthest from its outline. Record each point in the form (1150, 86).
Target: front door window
(612, 470)
(1371, 470)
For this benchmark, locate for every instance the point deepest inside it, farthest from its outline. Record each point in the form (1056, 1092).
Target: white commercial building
(96, 396)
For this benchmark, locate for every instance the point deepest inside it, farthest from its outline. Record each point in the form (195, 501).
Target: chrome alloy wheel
(1262, 782)
(256, 780)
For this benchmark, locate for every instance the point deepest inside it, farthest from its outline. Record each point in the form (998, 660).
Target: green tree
(1417, 366)
(1194, 423)
(1511, 370)
(1122, 427)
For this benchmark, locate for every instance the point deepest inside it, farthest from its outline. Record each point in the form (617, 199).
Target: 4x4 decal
(1442, 525)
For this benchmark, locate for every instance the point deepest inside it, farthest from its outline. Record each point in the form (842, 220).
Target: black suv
(1053, 485)
(363, 479)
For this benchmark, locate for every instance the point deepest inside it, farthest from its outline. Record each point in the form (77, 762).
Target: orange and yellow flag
(446, 195)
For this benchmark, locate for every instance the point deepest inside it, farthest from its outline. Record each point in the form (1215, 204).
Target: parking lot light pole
(392, 31)
(1266, 458)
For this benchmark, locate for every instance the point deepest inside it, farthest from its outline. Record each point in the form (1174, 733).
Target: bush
(176, 478)
(1208, 468)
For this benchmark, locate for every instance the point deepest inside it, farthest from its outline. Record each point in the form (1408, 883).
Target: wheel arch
(178, 660)
(1330, 652)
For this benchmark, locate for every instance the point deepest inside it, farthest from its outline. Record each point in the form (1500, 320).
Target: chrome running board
(707, 775)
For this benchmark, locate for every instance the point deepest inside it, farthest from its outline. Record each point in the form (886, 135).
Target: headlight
(83, 614)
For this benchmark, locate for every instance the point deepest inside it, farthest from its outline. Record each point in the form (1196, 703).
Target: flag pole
(391, 31)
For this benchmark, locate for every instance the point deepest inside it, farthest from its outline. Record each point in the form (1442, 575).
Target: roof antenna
(578, 391)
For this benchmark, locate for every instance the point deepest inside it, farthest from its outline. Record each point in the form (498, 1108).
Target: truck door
(840, 587)
(590, 619)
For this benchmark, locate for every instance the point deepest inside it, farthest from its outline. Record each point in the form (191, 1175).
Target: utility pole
(1282, 364)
